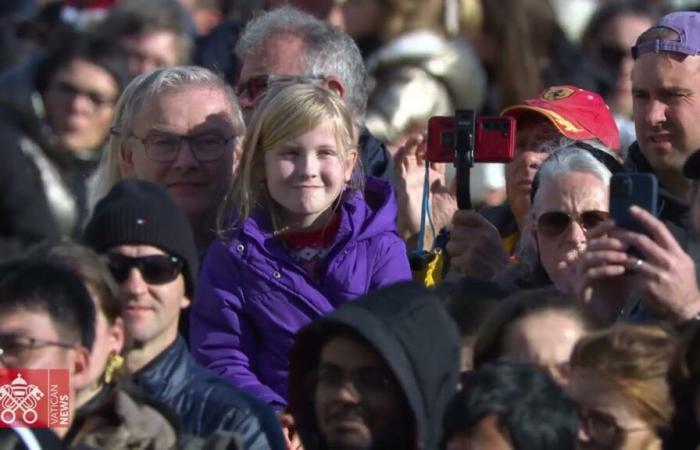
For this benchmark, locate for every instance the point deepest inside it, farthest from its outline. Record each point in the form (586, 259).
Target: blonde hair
(139, 92)
(636, 359)
(285, 112)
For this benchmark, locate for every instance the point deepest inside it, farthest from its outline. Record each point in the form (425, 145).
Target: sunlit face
(666, 92)
(79, 104)
(151, 50)
(572, 193)
(617, 37)
(151, 311)
(357, 401)
(280, 54)
(529, 155)
(609, 421)
(545, 339)
(488, 434)
(305, 175)
(196, 187)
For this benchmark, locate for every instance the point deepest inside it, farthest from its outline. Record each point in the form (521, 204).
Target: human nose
(134, 285)
(655, 112)
(184, 157)
(575, 233)
(308, 165)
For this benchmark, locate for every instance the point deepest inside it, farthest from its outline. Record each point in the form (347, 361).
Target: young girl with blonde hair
(300, 234)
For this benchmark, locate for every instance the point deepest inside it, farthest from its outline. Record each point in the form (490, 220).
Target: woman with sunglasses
(619, 382)
(569, 197)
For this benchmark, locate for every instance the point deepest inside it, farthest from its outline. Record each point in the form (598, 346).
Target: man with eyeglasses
(150, 250)
(372, 375)
(180, 128)
(287, 45)
(47, 321)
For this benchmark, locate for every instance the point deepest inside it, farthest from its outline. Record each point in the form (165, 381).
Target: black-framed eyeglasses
(255, 86)
(602, 429)
(14, 348)
(554, 223)
(369, 380)
(164, 147)
(155, 269)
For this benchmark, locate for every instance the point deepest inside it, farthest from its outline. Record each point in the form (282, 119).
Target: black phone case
(627, 189)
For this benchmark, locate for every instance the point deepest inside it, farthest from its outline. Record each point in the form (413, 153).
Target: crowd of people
(222, 219)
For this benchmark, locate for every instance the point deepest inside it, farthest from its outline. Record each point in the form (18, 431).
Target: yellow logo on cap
(557, 93)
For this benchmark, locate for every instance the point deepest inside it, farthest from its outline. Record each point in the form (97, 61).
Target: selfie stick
(465, 120)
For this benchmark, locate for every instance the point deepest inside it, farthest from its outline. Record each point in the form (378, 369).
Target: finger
(604, 257)
(600, 230)
(469, 218)
(606, 243)
(605, 272)
(657, 230)
(408, 150)
(648, 248)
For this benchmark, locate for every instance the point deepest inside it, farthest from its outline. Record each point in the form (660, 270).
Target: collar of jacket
(169, 373)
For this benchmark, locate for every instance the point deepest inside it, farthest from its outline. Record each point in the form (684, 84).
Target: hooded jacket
(253, 297)
(408, 326)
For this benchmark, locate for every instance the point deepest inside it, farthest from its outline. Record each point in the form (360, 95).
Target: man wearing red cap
(482, 243)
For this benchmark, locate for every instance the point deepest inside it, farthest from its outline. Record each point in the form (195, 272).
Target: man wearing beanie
(150, 250)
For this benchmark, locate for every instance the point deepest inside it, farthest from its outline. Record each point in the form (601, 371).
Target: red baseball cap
(577, 114)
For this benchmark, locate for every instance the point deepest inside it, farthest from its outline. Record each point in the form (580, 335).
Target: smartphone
(494, 139)
(630, 188)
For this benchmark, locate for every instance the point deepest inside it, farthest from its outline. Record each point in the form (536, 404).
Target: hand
(599, 279)
(475, 246)
(666, 277)
(291, 437)
(409, 177)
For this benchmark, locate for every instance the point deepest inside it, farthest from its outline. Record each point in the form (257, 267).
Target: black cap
(137, 212)
(691, 168)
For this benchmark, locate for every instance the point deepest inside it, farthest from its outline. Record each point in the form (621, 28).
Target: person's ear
(334, 84)
(350, 164)
(185, 302)
(117, 335)
(126, 160)
(79, 367)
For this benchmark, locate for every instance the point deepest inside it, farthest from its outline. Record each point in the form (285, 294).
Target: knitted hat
(137, 212)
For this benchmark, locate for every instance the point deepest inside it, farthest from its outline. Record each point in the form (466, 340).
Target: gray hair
(140, 91)
(328, 50)
(568, 159)
(560, 162)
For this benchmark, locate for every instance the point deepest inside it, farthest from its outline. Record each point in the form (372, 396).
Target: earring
(114, 363)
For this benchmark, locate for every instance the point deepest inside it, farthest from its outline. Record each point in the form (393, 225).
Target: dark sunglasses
(554, 223)
(155, 269)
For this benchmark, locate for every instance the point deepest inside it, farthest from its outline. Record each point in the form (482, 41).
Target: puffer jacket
(206, 403)
(253, 297)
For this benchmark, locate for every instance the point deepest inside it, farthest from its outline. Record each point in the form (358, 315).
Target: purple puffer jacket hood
(253, 297)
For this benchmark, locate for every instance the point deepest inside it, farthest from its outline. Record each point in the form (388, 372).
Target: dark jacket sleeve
(375, 158)
(25, 217)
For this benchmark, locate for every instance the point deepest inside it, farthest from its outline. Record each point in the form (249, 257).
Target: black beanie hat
(137, 212)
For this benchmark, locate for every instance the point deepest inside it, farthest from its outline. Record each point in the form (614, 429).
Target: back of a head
(490, 341)
(527, 403)
(637, 359)
(328, 51)
(51, 289)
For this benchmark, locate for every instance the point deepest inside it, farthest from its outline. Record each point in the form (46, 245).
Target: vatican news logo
(34, 398)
